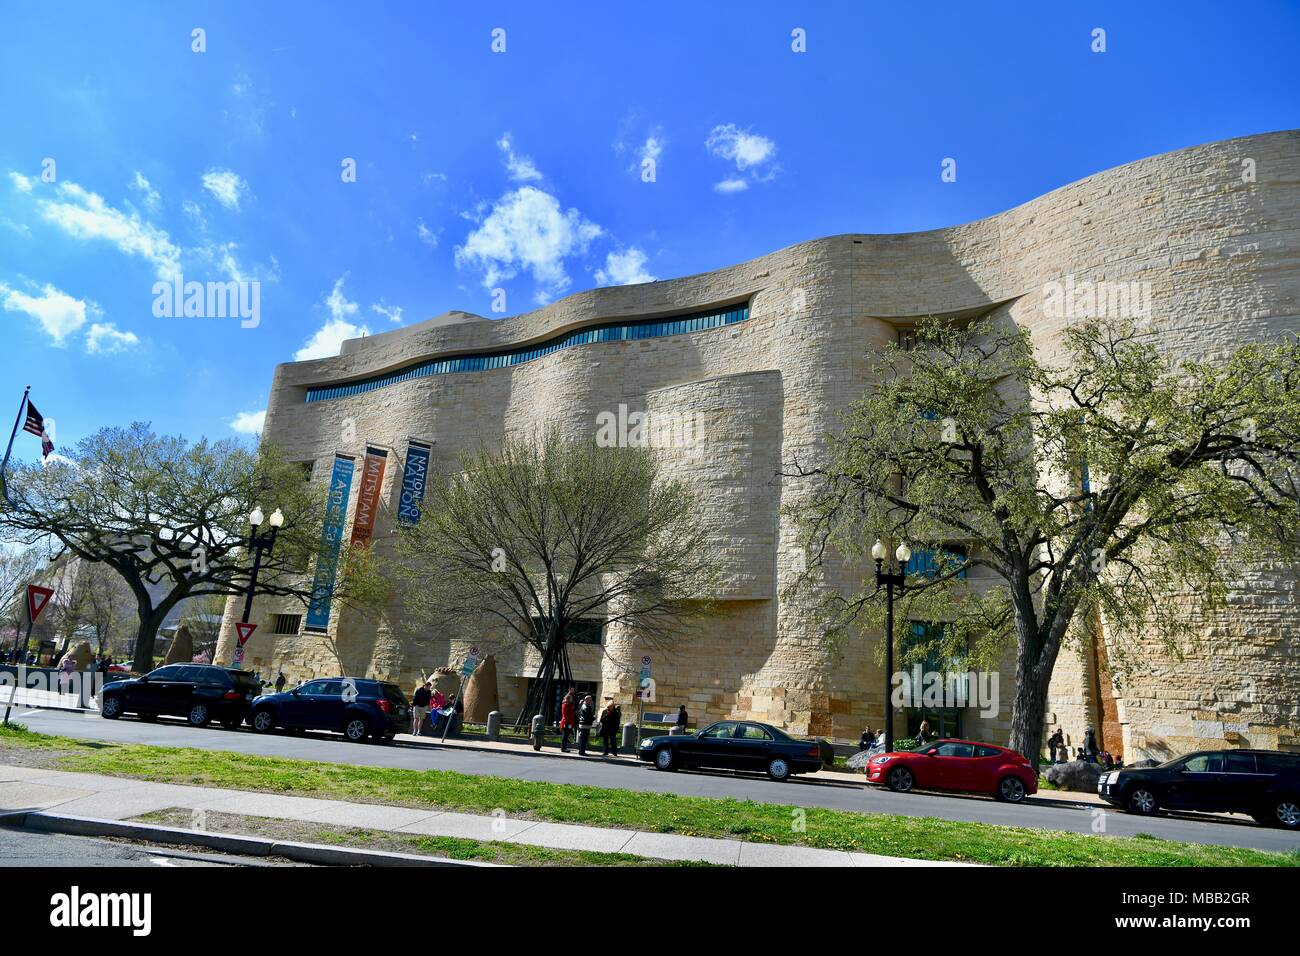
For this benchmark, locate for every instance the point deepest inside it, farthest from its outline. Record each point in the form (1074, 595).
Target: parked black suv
(1262, 783)
(356, 707)
(198, 692)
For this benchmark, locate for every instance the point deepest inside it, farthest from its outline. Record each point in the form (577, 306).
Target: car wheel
(199, 716)
(778, 768)
(111, 708)
(900, 780)
(263, 721)
(356, 729)
(665, 759)
(1286, 813)
(1142, 801)
(1010, 789)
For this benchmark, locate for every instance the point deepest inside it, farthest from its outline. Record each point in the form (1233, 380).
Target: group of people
(871, 739)
(100, 664)
(1058, 751)
(425, 701)
(580, 715)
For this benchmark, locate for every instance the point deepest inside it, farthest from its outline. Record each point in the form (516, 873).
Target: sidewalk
(116, 799)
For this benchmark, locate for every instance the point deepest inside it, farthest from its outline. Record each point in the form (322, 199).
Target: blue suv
(357, 707)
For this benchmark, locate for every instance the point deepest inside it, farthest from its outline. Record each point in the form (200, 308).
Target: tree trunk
(150, 621)
(1028, 711)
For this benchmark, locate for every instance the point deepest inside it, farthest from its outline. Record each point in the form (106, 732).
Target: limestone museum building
(760, 358)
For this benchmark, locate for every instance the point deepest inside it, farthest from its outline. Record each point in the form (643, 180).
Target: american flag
(35, 424)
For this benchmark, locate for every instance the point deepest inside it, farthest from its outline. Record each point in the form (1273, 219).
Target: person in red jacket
(568, 719)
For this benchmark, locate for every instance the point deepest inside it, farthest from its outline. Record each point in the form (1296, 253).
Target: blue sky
(521, 170)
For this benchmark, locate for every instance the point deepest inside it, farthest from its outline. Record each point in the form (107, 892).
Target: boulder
(859, 760)
(446, 680)
(83, 656)
(1075, 775)
(481, 692)
(182, 647)
(1139, 764)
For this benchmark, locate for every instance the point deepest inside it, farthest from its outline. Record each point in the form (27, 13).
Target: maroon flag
(35, 424)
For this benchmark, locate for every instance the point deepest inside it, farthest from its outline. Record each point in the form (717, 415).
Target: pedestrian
(609, 729)
(280, 681)
(586, 716)
(1090, 748)
(1055, 745)
(65, 673)
(568, 720)
(420, 707)
(923, 735)
(867, 740)
(682, 718)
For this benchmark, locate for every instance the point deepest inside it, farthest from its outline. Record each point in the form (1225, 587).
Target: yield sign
(244, 632)
(37, 598)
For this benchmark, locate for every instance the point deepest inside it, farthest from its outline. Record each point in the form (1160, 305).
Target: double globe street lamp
(890, 580)
(259, 544)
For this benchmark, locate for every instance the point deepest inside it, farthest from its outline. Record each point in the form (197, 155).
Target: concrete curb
(225, 842)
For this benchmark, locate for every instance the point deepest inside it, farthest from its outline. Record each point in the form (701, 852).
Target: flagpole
(5, 464)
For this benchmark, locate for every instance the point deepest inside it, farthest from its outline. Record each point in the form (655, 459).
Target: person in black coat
(609, 729)
(586, 717)
(682, 718)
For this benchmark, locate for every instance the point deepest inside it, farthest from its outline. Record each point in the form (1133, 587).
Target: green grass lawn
(919, 838)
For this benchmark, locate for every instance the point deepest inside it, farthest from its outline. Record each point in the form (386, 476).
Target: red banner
(372, 481)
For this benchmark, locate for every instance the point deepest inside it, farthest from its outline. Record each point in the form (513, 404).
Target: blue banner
(414, 478)
(331, 537)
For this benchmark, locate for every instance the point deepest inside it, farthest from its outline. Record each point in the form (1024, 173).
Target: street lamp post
(258, 544)
(889, 580)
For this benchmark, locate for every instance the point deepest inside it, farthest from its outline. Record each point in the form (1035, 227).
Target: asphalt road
(630, 774)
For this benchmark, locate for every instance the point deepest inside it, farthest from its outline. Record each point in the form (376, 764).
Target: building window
(585, 631)
(907, 339)
(610, 332)
(925, 564)
(944, 720)
(286, 623)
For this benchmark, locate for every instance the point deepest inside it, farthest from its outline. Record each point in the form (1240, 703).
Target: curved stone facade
(1217, 253)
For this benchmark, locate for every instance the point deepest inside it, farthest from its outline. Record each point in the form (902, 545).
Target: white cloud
(104, 338)
(249, 423)
(746, 149)
(426, 235)
(527, 229)
(226, 185)
(753, 155)
(85, 215)
(21, 182)
(58, 313)
(624, 268)
(328, 339)
(148, 195)
(521, 168)
(393, 313)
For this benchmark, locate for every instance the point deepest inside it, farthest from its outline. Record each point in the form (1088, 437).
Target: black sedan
(1262, 783)
(198, 692)
(735, 745)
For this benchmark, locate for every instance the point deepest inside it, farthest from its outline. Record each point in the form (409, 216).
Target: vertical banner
(372, 480)
(331, 537)
(414, 477)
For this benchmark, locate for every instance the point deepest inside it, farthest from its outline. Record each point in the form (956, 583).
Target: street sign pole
(18, 669)
(38, 599)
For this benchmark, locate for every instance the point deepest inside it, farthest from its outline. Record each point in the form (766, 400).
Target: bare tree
(548, 533)
(170, 517)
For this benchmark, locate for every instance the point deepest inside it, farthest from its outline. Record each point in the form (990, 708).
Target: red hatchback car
(956, 765)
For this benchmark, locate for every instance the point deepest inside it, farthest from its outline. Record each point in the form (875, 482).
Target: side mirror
(294, 692)
(932, 751)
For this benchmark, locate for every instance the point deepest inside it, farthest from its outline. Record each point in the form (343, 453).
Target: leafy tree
(1090, 489)
(170, 517)
(19, 567)
(548, 533)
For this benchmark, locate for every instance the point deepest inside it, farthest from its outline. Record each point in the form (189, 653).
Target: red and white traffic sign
(37, 599)
(244, 631)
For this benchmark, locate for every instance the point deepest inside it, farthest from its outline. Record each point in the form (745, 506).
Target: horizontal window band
(612, 332)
